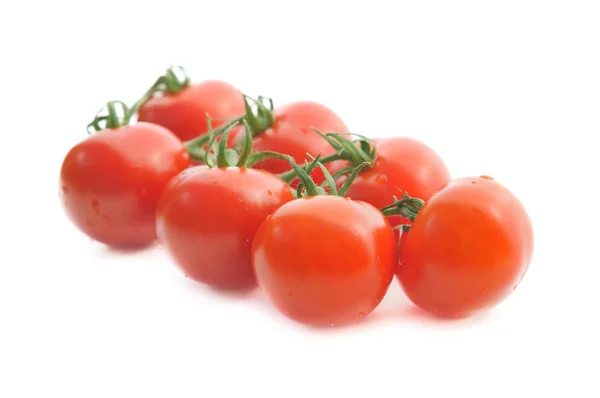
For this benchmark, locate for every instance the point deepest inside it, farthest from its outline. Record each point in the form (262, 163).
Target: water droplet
(106, 218)
(247, 242)
(96, 206)
(269, 217)
(214, 183)
(473, 182)
(348, 198)
(269, 193)
(486, 177)
(378, 259)
(65, 189)
(305, 130)
(289, 294)
(374, 232)
(88, 223)
(483, 289)
(515, 287)
(143, 192)
(381, 179)
(361, 314)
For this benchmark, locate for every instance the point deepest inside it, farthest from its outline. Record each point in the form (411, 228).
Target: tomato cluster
(242, 194)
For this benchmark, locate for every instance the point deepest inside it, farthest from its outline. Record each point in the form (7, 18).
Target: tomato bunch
(242, 194)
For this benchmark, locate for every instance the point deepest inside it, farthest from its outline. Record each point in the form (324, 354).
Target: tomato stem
(173, 81)
(117, 114)
(407, 207)
(310, 187)
(263, 119)
(290, 175)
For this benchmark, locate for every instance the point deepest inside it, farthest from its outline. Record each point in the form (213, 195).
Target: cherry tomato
(184, 113)
(401, 165)
(292, 134)
(207, 218)
(467, 249)
(111, 182)
(325, 260)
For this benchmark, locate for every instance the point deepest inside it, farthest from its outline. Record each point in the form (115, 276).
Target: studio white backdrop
(509, 89)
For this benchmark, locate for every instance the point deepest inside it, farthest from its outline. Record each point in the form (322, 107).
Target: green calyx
(354, 151)
(307, 186)
(219, 155)
(407, 207)
(116, 114)
(263, 118)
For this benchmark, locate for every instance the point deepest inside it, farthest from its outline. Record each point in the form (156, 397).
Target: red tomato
(401, 165)
(111, 182)
(207, 218)
(467, 249)
(292, 134)
(325, 259)
(184, 113)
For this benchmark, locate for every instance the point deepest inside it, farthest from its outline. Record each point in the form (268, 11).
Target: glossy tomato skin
(207, 219)
(184, 113)
(325, 260)
(468, 248)
(292, 134)
(110, 182)
(402, 165)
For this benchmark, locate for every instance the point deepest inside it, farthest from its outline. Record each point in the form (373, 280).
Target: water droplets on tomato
(269, 193)
(96, 206)
(486, 177)
(381, 179)
(65, 189)
(247, 242)
(106, 218)
(143, 192)
(88, 223)
(378, 259)
(269, 217)
(374, 232)
(361, 314)
(483, 289)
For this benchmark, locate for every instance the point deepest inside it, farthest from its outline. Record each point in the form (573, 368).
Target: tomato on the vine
(325, 260)
(111, 181)
(182, 107)
(467, 249)
(207, 217)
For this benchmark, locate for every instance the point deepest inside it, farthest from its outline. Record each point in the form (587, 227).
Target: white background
(505, 88)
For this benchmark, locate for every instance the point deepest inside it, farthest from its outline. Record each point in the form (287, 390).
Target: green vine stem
(173, 81)
(345, 148)
(118, 114)
(407, 207)
(307, 186)
(113, 115)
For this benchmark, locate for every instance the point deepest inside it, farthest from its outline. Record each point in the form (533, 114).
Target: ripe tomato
(184, 113)
(111, 182)
(292, 134)
(467, 249)
(325, 259)
(401, 165)
(207, 218)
